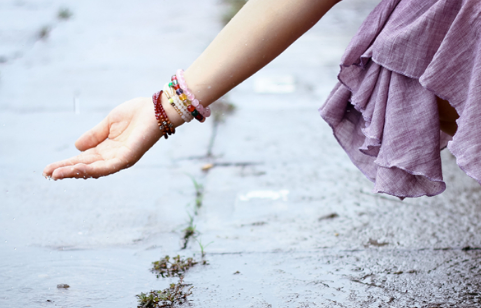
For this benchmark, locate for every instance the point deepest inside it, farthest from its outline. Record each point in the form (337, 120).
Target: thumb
(94, 136)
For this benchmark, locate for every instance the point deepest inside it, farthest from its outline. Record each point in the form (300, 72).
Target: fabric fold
(383, 111)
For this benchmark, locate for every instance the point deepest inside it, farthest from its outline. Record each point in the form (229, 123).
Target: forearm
(254, 37)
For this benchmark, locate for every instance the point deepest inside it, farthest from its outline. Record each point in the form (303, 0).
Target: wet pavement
(285, 219)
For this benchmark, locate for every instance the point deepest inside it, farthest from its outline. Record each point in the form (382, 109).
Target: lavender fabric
(383, 111)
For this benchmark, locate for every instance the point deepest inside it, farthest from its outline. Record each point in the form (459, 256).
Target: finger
(85, 158)
(94, 136)
(94, 170)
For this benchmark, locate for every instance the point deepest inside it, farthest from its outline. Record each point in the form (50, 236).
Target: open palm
(116, 143)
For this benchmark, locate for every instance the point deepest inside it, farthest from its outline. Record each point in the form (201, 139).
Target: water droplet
(15, 248)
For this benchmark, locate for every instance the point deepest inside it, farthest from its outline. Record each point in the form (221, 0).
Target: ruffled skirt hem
(383, 111)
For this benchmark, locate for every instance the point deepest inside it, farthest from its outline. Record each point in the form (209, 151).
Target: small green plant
(189, 232)
(177, 293)
(202, 249)
(199, 193)
(44, 32)
(167, 268)
(64, 14)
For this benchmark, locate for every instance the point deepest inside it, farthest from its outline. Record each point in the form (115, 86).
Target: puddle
(264, 194)
(96, 278)
(261, 203)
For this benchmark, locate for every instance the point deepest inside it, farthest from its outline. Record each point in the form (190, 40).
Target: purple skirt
(384, 112)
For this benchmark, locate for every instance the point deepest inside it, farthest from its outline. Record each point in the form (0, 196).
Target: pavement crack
(210, 146)
(367, 284)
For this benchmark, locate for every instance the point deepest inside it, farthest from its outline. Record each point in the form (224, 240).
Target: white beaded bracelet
(177, 103)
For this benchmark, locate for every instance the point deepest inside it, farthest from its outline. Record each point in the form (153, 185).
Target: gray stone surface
(286, 219)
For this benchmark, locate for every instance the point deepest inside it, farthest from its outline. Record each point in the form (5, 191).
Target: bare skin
(447, 117)
(255, 36)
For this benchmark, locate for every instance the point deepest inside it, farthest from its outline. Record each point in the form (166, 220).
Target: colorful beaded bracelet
(178, 106)
(173, 103)
(183, 86)
(183, 97)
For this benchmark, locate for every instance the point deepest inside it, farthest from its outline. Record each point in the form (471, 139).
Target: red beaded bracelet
(165, 126)
(166, 122)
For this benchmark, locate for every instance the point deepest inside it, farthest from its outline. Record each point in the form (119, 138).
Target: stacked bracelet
(179, 85)
(183, 85)
(165, 126)
(182, 100)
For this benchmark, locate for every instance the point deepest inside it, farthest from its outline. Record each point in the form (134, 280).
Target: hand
(116, 143)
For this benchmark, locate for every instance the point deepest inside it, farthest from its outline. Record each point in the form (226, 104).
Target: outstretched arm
(255, 36)
(261, 31)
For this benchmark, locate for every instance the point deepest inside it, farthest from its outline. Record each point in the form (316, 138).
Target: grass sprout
(189, 232)
(199, 193)
(202, 249)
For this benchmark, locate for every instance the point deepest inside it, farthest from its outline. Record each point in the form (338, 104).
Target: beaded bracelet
(177, 104)
(185, 101)
(183, 85)
(172, 102)
(170, 127)
(165, 126)
(182, 96)
(164, 123)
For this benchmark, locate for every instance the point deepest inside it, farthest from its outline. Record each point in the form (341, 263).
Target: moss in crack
(189, 232)
(176, 294)
(171, 267)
